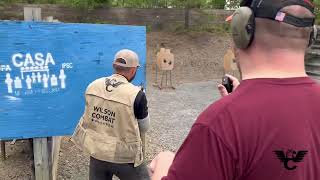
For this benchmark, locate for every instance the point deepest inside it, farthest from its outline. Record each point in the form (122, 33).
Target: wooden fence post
(46, 156)
(41, 159)
(54, 149)
(3, 150)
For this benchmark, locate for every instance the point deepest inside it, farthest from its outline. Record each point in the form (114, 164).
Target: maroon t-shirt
(268, 129)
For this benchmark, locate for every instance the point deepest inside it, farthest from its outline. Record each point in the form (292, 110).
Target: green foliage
(233, 4)
(84, 4)
(130, 3)
(148, 28)
(317, 11)
(87, 5)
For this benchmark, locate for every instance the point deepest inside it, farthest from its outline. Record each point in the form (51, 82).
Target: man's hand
(235, 82)
(160, 165)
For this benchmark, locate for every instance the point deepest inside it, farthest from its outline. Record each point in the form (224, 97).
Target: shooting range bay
(46, 67)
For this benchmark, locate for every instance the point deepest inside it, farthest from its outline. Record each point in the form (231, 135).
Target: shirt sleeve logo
(290, 155)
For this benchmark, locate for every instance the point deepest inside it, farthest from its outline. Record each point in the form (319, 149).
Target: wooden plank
(32, 14)
(41, 159)
(3, 150)
(313, 64)
(315, 46)
(54, 154)
(314, 74)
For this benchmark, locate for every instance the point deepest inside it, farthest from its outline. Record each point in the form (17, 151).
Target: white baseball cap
(126, 58)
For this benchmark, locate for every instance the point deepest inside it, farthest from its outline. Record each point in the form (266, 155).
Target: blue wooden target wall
(46, 67)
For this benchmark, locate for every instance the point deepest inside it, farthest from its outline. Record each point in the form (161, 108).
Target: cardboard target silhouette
(230, 65)
(165, 60)
(164, 63)
(229, 61)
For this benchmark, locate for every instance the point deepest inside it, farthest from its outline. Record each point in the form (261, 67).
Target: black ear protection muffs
(243, 19)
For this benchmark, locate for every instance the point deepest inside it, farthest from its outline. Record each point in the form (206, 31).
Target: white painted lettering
(39, 59)
(49, 59)
(28, 60)
(14, 60)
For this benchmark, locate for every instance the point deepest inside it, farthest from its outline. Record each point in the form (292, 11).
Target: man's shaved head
(275, 34)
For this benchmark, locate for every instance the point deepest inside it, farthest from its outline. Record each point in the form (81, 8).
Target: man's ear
(132, 71)
(135, 70)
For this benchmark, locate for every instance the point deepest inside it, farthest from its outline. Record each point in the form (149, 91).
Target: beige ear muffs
(243, 27)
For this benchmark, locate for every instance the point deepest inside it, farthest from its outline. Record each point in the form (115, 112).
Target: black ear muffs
(313, 36)
(243, 27)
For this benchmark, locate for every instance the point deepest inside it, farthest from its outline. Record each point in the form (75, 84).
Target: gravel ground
(17, 166)
(174, 112)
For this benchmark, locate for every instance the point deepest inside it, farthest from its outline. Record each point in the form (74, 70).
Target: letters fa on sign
(31, 74)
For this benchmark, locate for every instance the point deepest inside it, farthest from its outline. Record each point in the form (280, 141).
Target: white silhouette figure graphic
(45, 81)
(34, 78)
(29, 82)
(17, 83)
(39, 77)
(22, 71)
(54, 80)
(62, 77)
(9, 82)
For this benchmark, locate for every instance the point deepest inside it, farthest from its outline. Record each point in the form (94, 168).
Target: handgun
(227, 83)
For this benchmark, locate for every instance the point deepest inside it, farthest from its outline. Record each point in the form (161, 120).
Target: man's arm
(203, 155)
(141, 112)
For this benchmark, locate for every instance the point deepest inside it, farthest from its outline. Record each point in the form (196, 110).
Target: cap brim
(125, 65)
(229, 18)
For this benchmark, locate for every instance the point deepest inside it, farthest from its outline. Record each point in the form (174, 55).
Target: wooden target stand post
(164, 64)
(45, 150)
(229, 64)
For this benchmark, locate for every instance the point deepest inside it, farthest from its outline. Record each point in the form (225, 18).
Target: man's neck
(273, 75)
(276, 64)
(121, 75)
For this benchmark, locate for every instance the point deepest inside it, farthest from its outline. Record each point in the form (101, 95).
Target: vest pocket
(108, 148)
(100, 145)
(111, 149)
(126, 151)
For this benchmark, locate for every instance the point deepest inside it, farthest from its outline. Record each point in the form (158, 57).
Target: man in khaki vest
(116, 113)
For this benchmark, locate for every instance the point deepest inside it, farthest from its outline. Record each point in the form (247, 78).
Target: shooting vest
(108, 129)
